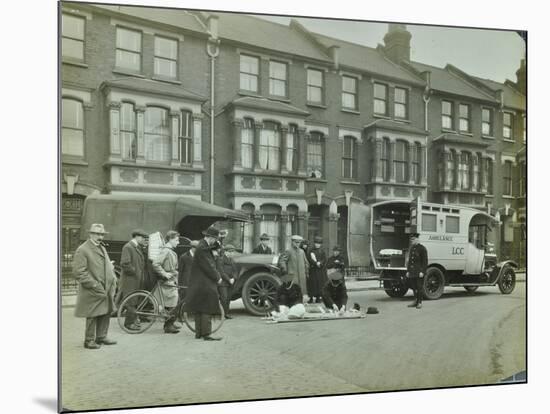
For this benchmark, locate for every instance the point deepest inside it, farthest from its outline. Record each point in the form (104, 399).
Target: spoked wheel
(146, 309)
(395, 289)
(507, 281)
(189, 318)
(259, 293)
(434, 283)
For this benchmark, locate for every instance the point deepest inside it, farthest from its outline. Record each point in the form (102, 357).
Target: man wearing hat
(96, 287)
(293, 263)
(337, 260)
(416, 269)
(317, 259)
(202, 295)
(228, 272)
(184, 268)
(166, 268)
(335, 293)
(132, 262)
(263, 248)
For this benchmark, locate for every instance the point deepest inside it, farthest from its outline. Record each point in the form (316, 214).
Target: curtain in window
(247, 143)
(157, 135)
(451, 169)
(400, 161)
(465, 171)
(128, 131)
(314, 154)
(291, 142)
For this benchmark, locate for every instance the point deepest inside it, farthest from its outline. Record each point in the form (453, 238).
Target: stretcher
(317, 313)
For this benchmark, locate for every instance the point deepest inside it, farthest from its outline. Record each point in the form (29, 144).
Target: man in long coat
(132, 262)
(293, 263)
(228, 272)
(416, 269)
(202, 295)
(96, 288)
(317, 259)
(185, 264)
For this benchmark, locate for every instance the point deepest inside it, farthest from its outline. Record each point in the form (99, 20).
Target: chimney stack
(397, 43)
(521, 75)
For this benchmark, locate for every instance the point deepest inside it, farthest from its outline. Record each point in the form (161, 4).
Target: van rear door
(359, 222)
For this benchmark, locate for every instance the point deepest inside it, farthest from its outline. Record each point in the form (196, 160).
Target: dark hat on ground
(317, 239)
(337, 248)
(414, 235)
(264, 236)
(372, 310)
(211, 232)
(335, 274)
(139, 232)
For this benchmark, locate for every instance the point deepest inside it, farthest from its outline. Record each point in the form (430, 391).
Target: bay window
(157, 134)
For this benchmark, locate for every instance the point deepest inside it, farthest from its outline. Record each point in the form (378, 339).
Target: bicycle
(148, 309)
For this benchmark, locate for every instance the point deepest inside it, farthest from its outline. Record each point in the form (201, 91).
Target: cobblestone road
(256, 360)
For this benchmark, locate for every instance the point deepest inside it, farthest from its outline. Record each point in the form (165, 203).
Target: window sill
(381, 116)
(278, 98)
(249, 93)
(508, 197)
(508, 140)
(466, 134)
(71, 62)
(277, 174)
(403, 120)
(316, 105)
(451, 131)
(167, 80)
(489, 195)
(316, 180)
(350, 182)
(350, 111)
(120, 71)
(150, 165)
(73, 161)
(487, 137)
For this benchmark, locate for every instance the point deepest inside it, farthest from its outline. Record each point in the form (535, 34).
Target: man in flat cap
(416, 269)
(263, 248)
(294, 264)
(202, 295)
(96, 287)
(133, 262)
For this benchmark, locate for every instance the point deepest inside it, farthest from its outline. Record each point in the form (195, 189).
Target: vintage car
(257, 279)
(456, 238)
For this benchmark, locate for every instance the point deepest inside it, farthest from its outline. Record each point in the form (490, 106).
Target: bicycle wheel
(189, 318)
(147, 311)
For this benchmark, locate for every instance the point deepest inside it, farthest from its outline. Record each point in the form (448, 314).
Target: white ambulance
(458, 240)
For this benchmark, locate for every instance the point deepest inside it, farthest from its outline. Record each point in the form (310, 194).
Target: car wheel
(434, 283)
(259, 293)
(507, 281)
(395, 288)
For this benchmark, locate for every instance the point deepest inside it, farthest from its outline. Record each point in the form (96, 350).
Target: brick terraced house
(290, 126)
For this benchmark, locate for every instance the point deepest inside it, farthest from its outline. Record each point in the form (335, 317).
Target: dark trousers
(130, 312)
(417, 284)
(225, 297)
(203, 325)
(97, 327)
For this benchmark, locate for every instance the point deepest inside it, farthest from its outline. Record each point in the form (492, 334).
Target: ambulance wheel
(259, 293)
(507, 281)
(395, 289)
(434, 283)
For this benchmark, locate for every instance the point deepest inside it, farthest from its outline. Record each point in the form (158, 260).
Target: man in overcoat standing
(185, 264)
(293, 263)
(96, 288)
(132, 262)
(202, 295)
(416, 269)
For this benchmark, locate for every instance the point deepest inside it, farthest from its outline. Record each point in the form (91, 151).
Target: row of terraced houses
(290, 126)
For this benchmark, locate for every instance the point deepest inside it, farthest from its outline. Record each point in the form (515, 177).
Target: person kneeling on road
(335, 294)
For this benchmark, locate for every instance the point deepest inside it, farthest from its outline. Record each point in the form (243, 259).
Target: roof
(463, 140)
(155, 87)
(445, 81)
(269, 35)
(269, 105)
(512, 97)
(367, 59)
(395, 126)
(174, 17)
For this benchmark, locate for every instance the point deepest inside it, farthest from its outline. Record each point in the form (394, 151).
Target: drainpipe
(426, 99)
(213, 42)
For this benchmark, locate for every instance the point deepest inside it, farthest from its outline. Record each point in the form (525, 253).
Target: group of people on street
(203, 277)
(199, 280)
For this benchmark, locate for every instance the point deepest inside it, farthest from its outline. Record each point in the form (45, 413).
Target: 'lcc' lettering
(458, 250)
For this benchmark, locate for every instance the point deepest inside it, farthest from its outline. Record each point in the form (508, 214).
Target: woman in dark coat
(317, 259)
(202, 297)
